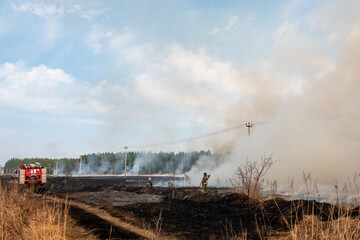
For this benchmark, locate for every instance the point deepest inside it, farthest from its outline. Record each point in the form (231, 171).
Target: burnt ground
(100, 227)
(185, 213)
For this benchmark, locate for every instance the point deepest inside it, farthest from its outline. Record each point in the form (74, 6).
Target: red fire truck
(31, 173)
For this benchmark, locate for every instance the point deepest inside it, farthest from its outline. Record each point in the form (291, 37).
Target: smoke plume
(317, 130)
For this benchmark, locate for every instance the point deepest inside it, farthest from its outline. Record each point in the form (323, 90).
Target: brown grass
(154, 233)
(24, 215)
(343, 227)
(311, 227)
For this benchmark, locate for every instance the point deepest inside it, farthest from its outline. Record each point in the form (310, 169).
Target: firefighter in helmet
(149, 183)
(204, 182)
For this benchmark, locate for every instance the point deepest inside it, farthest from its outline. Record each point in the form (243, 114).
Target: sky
(81, 77)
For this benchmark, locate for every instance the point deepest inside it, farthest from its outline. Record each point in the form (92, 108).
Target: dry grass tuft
(313, 228)
(155, 232)
(24, 215)
(345, 226)
(230, 234)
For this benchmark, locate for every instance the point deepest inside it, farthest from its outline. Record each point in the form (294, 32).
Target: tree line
(113, 163)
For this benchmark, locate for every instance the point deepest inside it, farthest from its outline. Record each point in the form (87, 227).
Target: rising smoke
(317, 130)
(308, 120)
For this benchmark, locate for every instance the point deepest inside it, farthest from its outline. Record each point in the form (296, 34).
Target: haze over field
(80, 77)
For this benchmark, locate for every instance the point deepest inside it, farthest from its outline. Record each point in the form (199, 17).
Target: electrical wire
(190, 139)
(187, 139)
(326, 117)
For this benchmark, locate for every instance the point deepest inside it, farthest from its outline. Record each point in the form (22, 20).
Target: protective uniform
(204, 182)
(149, 184)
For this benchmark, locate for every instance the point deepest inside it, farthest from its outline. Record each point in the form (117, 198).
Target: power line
(187, 139)
(191, 139)
(248, 125)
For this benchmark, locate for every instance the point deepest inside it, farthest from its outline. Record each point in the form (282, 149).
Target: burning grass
(24, 215)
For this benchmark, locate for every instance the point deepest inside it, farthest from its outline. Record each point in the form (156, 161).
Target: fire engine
(31, 173)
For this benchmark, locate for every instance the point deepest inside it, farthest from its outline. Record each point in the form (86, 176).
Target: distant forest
(113, 163)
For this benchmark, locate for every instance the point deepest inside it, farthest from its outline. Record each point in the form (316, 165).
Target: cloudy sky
(92, 76)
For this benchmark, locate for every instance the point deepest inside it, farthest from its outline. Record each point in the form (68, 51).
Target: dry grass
(24, 215)
(313, 228)
(309, 228)
(230, 234)
(343, 227)
(155, 232)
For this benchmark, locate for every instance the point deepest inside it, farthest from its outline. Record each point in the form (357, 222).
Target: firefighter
(204, 182)
(149, 183)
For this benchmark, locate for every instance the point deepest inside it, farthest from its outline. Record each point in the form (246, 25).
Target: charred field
(119, 208)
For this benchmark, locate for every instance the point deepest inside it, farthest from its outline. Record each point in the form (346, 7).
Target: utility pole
(80, 166)
(126, 147)
(249, 125)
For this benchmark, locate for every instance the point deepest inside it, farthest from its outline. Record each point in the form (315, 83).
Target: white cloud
(41, 88)
(40, 8)
(98, 34)
(198, 86)
(127, 50)
(88, 121)
(285, 33)
(33, 89)
(251, 18)
(119, 41)
(138, 53)
(53, 12)
(201, 68)
(231, 24)
(52, 28)
(83, 11)
(57, 8)
(214, 31)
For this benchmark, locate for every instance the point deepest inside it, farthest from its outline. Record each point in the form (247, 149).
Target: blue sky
(91, 76)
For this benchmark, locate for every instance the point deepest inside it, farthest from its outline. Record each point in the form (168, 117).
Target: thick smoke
(317, 130)
(308, 120)
(91, 164)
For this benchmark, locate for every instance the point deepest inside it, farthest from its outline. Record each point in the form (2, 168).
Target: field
(119, 208)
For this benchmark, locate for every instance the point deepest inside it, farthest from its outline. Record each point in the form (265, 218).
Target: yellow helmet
(149, 178)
